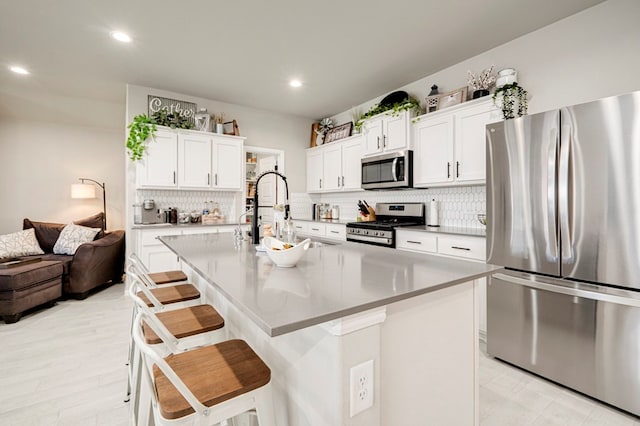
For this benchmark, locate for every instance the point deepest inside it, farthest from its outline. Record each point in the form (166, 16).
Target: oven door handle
(394, 167)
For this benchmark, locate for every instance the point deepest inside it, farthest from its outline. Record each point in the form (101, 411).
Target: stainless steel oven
(381, 232)
(388, 171)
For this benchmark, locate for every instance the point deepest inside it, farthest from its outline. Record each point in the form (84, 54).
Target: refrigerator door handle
(563, 196)
(593, 295)
(551, 194)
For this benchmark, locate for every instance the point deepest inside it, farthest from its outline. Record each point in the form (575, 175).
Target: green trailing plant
(393, 110)
(174, 120)
(512, 100)
(141, 128)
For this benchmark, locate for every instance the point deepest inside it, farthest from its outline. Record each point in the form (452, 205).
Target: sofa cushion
(62, 258)
(21, 243)
(72, 236)
(47, 233)
(21, 277)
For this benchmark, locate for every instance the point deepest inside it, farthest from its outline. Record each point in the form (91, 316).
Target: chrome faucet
(255, 232)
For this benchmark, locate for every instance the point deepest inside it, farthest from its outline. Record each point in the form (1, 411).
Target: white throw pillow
(22, 243)
(72, 236)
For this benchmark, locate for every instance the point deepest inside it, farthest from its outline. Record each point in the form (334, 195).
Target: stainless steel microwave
(388, 171)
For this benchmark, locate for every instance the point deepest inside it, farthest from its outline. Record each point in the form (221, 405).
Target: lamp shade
(83, 190)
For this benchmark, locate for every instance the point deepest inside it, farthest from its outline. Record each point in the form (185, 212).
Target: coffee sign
(186, 109)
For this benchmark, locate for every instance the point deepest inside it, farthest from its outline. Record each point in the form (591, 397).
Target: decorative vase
(480, 93)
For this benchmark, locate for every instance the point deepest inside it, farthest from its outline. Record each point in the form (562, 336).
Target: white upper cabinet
(386, 132)
(449, 145)
(351, 166)
(470, 142)
(335, 167)
(158, 167)
(227, 163)
(314, 169)
(194, 160)
(332, 167)
(433, 151)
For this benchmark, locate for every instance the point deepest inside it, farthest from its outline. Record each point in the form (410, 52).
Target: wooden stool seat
(173, 294)
(185, 322)
(214, 374)
(167, 277)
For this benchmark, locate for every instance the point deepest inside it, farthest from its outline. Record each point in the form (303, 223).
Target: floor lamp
(86, 190)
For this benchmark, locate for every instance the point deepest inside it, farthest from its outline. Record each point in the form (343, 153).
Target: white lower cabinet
(156, 256)
(462, 246)
(333, 231)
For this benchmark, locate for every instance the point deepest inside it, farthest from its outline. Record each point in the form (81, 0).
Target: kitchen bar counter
(330, 282)
(411, 318)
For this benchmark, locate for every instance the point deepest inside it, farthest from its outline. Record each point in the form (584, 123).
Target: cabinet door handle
(174, 177)
(448, 169)
(216, 178)
(384, 141)
(414, 242)
(315, 229)
(320, 183)
(378, 139)
(208, 178)
(334, 232)
(343, 181)
(338, 181)
(460, 248)
(457, 169)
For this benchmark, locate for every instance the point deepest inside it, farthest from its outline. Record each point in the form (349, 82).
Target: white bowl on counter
(285, 257)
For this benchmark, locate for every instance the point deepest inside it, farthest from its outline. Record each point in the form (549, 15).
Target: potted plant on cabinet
(141, 127)
(512, 100)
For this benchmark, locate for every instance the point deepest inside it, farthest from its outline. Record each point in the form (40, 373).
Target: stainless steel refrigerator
(563, 207)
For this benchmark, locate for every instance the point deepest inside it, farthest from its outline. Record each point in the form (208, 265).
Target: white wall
(40, 161)
(584, 57)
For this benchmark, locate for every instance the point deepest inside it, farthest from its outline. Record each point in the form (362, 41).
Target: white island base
(424, 351)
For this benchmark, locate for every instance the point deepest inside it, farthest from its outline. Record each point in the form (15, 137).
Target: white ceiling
(245, 52)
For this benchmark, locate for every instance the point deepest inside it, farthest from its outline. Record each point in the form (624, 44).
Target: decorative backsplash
(187, 201)
(459, 206)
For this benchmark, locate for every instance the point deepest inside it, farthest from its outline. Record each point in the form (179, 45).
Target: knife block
(371, 217)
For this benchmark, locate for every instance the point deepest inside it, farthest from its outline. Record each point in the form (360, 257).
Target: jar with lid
(335, 212)
(506, 76)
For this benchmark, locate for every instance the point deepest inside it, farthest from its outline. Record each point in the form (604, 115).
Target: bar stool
(157, 299)
(187, 328)
(206, 385)
(157, 278)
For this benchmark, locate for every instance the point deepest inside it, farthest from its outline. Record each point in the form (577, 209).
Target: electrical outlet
(360, 387)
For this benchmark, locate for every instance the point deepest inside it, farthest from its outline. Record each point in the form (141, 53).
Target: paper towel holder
(433, 222)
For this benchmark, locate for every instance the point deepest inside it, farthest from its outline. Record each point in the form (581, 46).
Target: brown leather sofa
(94, 264)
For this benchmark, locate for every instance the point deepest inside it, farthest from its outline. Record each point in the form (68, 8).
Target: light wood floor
(66, 366)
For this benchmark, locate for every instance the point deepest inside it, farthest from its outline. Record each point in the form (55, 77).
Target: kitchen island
(413, 315)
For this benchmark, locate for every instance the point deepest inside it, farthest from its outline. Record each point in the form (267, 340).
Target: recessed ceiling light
(19, 70)
(295, 83)
(120, 36)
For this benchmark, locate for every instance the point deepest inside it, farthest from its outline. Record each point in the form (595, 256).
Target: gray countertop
(185, 225)
(451, 230)
(330, 282)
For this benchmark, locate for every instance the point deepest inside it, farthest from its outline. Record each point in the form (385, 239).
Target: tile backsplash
(188, 201)
(459, 206)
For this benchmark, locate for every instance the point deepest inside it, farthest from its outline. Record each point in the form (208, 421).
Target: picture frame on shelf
(455, 97)
(339, 132)
(230, 128)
